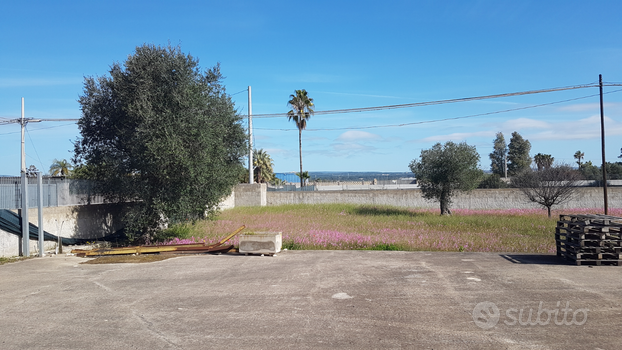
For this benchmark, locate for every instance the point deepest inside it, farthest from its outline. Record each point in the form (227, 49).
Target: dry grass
(132, 259)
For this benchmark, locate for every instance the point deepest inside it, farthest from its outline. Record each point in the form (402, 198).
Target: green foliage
(578, 155)
(386, 246)
(497, 157)
(593, 172)
(492, 181)
(181, 231)
(263, 166)
(518, 154)
(445, 169)
(160, 132)
(543, 161)
(61, 168)
(302, 109)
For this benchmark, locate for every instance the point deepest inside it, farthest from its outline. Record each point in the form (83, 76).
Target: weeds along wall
(585, 197)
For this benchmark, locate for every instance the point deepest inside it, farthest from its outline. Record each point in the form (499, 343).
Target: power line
(438, 102)
(444, 119)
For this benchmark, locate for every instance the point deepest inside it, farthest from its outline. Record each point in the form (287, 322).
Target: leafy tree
(590, 171)
(263, 166)
(497, 157)
(446, 169)
(548, 187)
(593, 172)
(578, 155)
(543, 161)
(518, 154)
(162, 133)
(60, 168)
(492, 181)
(302, 109)
(32, 171)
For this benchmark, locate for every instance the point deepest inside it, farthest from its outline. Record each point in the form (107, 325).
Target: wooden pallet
(589, 239)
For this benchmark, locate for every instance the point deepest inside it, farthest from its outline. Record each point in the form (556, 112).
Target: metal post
(25, 222)
(602, 137)
(251, 176)
(41, 232)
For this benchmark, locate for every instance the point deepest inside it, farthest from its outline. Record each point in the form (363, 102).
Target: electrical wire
(444, 119)
(33, 146)
(431, 103)
(239, 92)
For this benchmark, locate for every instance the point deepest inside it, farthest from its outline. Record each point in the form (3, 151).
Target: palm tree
(302, 109)
(263, 166)
(578, 155)
(60, 168)
(543, 161)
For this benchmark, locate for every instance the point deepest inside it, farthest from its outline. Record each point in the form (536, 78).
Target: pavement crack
(151, 328)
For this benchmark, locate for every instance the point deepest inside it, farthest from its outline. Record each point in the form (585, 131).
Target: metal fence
(57, 191)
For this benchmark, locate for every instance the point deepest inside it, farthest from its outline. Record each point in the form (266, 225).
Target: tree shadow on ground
(384, 211)
(536, 259)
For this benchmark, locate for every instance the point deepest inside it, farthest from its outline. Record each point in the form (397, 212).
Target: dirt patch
(11, 260)
(133, 259)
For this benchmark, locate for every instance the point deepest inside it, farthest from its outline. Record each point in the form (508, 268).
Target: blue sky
(346, 55)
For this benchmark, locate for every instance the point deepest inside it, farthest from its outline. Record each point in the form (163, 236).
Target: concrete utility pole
(505, 166)
(24, 213)
(602, 137)
(41, 232)
(250, 138)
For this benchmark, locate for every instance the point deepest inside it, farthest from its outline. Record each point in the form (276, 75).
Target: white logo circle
(486, 315)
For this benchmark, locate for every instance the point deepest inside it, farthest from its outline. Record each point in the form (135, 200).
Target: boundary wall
(80, 221)
(585, 197)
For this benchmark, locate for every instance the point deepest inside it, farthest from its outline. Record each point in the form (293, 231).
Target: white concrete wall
(247, 195)
(84, 221)
(587, 197)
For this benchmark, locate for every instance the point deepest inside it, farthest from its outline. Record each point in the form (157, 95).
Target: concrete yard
(312, 299)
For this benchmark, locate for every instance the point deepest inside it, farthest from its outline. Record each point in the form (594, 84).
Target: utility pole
(602, 137)
(24, 213)
(250, 138)
(505, 165)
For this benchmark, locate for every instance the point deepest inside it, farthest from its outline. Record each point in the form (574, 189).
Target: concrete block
(261, 242)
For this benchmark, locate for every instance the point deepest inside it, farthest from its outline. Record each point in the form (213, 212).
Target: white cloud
(458, 136)
(357, 135)
(525, 123)
(582, 107)
(582, 129)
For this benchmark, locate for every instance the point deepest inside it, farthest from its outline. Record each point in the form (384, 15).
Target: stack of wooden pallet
(589, 239)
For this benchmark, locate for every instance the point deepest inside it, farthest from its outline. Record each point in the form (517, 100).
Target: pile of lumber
(193, 248)
(589, 239)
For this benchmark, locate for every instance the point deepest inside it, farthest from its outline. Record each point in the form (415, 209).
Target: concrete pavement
(312, 299)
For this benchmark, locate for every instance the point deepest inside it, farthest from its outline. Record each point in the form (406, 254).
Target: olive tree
(443, 170)
(160, 132)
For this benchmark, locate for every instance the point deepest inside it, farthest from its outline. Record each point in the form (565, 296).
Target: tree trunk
(549, 209)
(445, 204)
(300, 154)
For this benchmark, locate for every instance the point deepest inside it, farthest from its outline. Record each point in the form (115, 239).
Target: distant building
(288, 177)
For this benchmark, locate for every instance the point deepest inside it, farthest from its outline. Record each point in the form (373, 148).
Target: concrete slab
(312, 299)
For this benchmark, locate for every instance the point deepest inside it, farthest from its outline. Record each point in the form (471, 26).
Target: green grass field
(346, 226)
